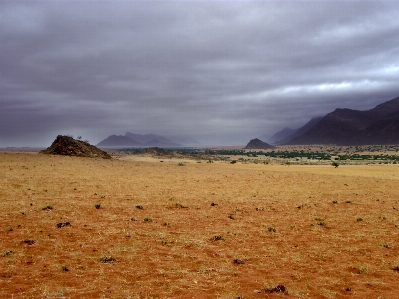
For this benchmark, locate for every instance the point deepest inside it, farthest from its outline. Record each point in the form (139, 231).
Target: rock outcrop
(67, 146)
(258, 144)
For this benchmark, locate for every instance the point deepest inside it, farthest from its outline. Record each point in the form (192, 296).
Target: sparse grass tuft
(147, 219)
(359, 219)
(238, 261)
(97, 206)
(140, 207)
(217, 238)
(48, 207)
(362, 269)
(7, 253)
(107, 259)
(271, 229)
(179, 206)
(320, 221)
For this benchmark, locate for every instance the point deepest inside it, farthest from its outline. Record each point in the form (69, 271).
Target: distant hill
(300, 131)
(152, 139)
(258, 144)
(350, 127)
(145, 140)
(118, 140)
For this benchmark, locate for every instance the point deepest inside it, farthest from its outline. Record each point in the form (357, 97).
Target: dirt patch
(203, 230)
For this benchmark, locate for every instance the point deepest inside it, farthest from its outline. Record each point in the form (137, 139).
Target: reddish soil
(196, 231)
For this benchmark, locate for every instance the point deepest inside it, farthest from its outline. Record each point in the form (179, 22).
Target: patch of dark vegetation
(28, 242)
(64, 268)
(49, 207)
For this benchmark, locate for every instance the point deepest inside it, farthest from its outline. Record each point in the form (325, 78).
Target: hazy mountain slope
(284, 133)
(302, 130)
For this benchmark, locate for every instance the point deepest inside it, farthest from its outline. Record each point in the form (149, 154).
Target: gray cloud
(221, 72)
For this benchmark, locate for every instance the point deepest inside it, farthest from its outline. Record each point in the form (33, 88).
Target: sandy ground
(201, 230)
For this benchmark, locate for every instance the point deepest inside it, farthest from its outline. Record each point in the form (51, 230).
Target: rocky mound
(258, 144)
(67, 146)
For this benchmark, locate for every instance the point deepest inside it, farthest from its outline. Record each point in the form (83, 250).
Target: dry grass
(317, 249)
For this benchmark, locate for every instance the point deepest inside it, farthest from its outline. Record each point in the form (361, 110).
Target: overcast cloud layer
(221, 72)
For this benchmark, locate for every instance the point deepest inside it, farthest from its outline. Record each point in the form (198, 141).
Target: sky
(221, 72)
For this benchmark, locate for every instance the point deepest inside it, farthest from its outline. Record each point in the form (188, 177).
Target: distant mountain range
(379, 125)
(146, 140)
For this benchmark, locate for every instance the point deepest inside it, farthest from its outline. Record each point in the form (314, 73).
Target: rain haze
(221, 72)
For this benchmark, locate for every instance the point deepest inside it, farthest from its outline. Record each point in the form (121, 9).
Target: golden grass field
(196, 231)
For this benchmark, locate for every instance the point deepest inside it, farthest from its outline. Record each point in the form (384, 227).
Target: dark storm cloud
(217, 71)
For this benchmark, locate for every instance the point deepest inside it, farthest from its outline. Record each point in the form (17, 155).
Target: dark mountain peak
(258, 144)
(388, 107)
(348, 126)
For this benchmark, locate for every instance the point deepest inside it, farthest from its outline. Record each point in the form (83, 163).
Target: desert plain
(141, 228)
